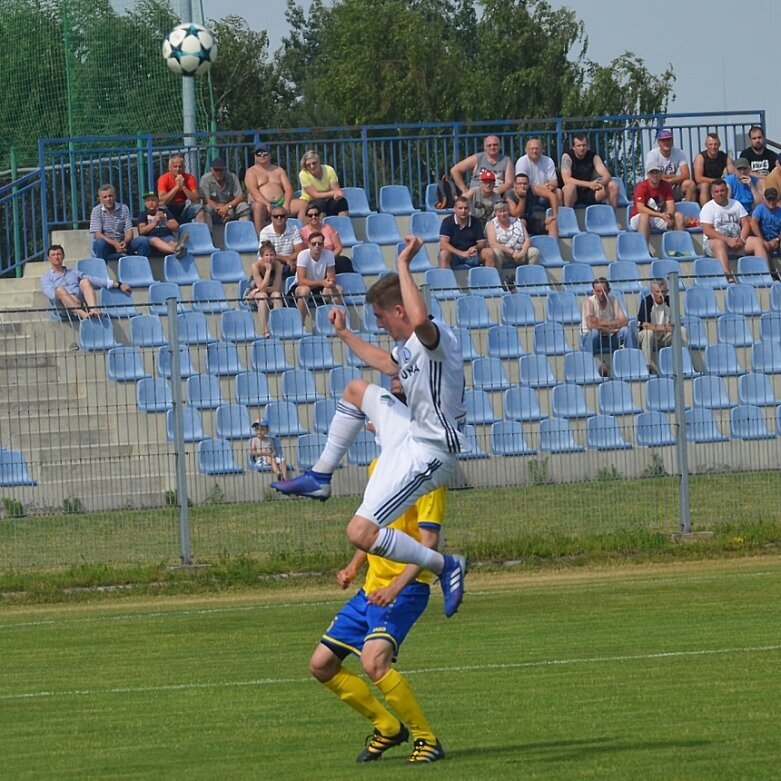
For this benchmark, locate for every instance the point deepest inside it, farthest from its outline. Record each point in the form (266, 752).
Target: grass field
(663, 672)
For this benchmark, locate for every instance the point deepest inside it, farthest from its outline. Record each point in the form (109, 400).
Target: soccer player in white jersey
(416, 458)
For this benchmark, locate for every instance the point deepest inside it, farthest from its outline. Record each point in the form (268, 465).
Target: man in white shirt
(674, 166)
(541, 171)
(316, 276)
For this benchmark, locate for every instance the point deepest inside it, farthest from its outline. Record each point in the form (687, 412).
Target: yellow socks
(353, 691)
(399, 695)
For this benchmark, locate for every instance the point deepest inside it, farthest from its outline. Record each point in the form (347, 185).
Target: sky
(717, 68)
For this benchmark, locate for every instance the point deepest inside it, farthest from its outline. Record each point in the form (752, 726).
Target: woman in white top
(508, 238)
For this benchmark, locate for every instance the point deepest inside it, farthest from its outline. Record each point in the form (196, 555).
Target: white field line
(422, 671)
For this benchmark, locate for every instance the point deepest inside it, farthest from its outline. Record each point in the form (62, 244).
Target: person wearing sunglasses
(316, 276)
(766, 226)
(268, 186)
(285, 237)
(314, 222)
(320, 186)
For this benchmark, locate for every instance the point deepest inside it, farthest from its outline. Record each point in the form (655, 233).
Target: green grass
(665, 672)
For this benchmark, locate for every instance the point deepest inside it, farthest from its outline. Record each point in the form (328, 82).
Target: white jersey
(433, 380)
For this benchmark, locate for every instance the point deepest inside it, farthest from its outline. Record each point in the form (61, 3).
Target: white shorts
(406, 469)
(656, 223)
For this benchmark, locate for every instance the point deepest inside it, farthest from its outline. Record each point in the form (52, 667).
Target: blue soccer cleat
(452, 581)
(306, 484)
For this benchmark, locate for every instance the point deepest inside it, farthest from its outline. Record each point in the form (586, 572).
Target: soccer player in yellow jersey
(373, 625)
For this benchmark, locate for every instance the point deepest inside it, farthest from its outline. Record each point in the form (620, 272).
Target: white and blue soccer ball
(190, 49)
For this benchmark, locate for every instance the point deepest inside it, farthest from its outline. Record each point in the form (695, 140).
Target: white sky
(718, 68)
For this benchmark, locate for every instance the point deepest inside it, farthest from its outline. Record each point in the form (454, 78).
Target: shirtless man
(268, 186)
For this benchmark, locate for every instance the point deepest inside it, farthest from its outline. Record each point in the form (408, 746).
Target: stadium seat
(209, 297)
(93, 267)
(226, 265)
(237, 326)
(251, 389)
(484, 281)
(182, 272)
(158, 295)
(268, 356)
(369, 323)
(13, 469)
(125, 364)
(624, 276)
(194, 328)
(116, 304)
(322, 325)
(632, 247)
(353, 288)
(536, 372)
(701, 426)
(134, 270)
(222, 359)
(710, 392)
(432, 195)
(192, 426)
(283, 419)
(420, 262)
(507, 439)
(722, 359)
(200, 240)
(314, 352)
(587, 248)
(556, 437)
(368, 259)
(443, 284)
(232, 421)
(701, 302)
(580, 368)
(468, 351)
(567, 222)
(240, 236)
(339, 377)
(488, 374)
(601, 219)
(472, 312)
(690, 209)
(623, 198)
(215, 457)
(308, 449)
(754, 271)
(550, 253)
(164, 363)
(395, 199)
(298, 386)
(747, 421)
(734, 330)
(353, 359)
(660, 394)
(603, 433)
(363, 450)
(678, 245)
(381, 229)
(661, 268)
(153, 394)
(756, 389)
(357, 201)
(550, 339)
(615, 398)
(742, 299)
(518, 309)
(425, 225)
(323, 413)
(696, 334)
(503, 342)
(563, 308)
(203, 391)
(775, 297)
(709, 273)
(96, 334)
(522, 404)
(532, 280)
(578, 278)
(569, 401)
(479, 409)
(666, 362)
(285, 323)
(344, 227)
(629, 365)
(472, 449)
(147, 331)
(766, 357)
(652, 429)
(770, 327)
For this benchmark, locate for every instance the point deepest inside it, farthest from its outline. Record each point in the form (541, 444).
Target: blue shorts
(359, 621)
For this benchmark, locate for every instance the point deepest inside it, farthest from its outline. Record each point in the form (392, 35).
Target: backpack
(445, 193)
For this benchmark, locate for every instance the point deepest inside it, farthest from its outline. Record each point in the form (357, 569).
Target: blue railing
(22, 220)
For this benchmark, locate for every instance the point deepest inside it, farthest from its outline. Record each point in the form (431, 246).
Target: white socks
(347, 422)
(398, 546)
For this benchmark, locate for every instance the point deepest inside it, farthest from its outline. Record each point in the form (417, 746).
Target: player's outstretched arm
(375, 356)
(414, 305)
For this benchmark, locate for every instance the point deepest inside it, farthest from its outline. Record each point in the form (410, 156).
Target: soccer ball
(189, 49)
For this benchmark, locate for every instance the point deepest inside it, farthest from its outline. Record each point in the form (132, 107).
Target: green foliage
(656, 467)
(216, 495)
(12, 508)
(609, 473)
(72, 505)
(538, 470)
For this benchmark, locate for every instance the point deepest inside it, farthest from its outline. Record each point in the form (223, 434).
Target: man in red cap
(483, 198)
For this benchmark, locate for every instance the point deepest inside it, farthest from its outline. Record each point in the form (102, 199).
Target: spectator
(222, 195)
(316, 276)
(286, 239)
(483, 199)
(543, 179)
(654, 323)
(508, 240)
(461, 238)
(766, 226)
(522, 206)
(111, 227)
(265, 450)
(586, 178)
(604, 326)
(773, 179)
(268, 185)
(490, 159)
(743, 187)
(178, 190)
(726, 228)
(158, 225)
(70, 291)
(266, 282)
(314, 222)
(653, 206)
(674, 166)
(760, 158)
(710, 164)
(320, 186)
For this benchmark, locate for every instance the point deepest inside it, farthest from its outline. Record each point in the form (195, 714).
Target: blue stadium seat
(432, 195)
(580, 368)
(709, 273)
(237, 325)
(488, 374)
(701, 302)
(550, 252)
(615, 398)
(666, 362)
(754, 271)
(503, 342)
(251, 389)
(368, 259)
(766, 357)
(472, 312)
(747, 421)
(339, 376)
(215, 457)
(396, 199)
(661, 268)
(134, 270)
(298, 386)
(701, 426)
(775, 297)
(363, 450)
(532, 280)
(147, 331)
(623, 198)
(192, 426)
(632, 247)
(353, 359)
(344, 227)
(578, 278)
(521, 403)
(742, 300)
(308, 449)
(601, 219)
(164, 364)
(209, 297)
(710, 392)
(194, 328)
(757, 389)
(222, 359)
(689, 209)
(369, 323)
(283, 419)
(660, 394)
(536, 372)
(567, 222)
(624, 276)
(240, 236)
(678, 245)
(770, 327)
(200, 241)
(93, 267)
(518, 309)
(722, 359)
(231, 421)
(381, 229)
(550, 339)
(116, 304)
(484, 281)
(226, 265)
(652, 429)
(323, 413)
(556, 437)
(357, 201)
(203, 391)
(159, 293)
(268, 355)
(182, 272)
(153, 394)
(285, 323)
(472, 449)
(314, 352)
(294, 222)
(563, 308)
(13, 469)
(735, 330)
(696, 334)
(479, 409)
(603, 433)
(425, 225)
(443, 284)
(507, 439)
(569, 401)
(353, 288)
(587, 248)
(629, 364)
(468, 351)
(420, 262)
(124, 364)
(322, 325)
(96, 334)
